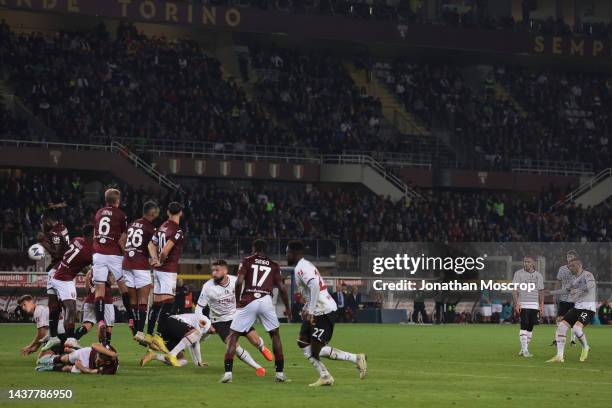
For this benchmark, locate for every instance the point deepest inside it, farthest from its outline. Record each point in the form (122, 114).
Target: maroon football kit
(261, 275)
(109, 223)
(169, 231)
(136, 254)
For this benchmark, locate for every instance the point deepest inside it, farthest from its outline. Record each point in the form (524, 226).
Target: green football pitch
(409, 366)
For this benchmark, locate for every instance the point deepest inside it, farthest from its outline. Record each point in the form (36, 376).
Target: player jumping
(583, 292)
(137, 267)
(318, 318)
(257, 276)
(165, 250)
(55, 240)
(219, 295)
(77, 258)
(109, 241)
(528, 303)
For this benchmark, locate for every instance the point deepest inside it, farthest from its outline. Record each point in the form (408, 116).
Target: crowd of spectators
(314, 96)
(559, 117)
(574, 110)
(216, 214)
(86, 84)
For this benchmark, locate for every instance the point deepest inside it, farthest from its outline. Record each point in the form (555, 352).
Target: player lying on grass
(97, 359)
(40, 315)
(219, 294)
(319, 317)
(180, 332)
(583, 292)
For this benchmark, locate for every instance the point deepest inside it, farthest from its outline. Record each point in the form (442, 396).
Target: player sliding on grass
(318, 318)
(257, 276)
(219, 294)
(527, 303)
(583, 291)
(180, 332)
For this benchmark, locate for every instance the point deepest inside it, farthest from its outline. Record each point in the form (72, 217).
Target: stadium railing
(394, 159)
(219, 150)
(598, 178)
(562, 168)
(365, 160)
(148, 168)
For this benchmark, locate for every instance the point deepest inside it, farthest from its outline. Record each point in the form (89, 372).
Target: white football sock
(529, 336)
(185, 342)
(246, 357)
(336, 354)
(577, 331)
(319, 366)
(261, 344)
(524, 340)
(561, 332)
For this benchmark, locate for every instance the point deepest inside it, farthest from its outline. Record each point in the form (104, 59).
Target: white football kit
(221, 300)
(306, 274)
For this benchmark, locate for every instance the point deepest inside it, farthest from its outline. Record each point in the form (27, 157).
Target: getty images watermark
(412, 265)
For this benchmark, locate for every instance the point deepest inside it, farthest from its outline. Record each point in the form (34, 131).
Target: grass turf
(409, 366)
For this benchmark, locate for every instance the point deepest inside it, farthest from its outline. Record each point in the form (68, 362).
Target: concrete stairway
(392, 110)
(367, 171)
(592, 193)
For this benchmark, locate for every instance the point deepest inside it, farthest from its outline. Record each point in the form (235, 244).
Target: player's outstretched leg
(258, 342)
(579, 333)
(190, 338)
(247, 359)
(360, 360)
(560, 338)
